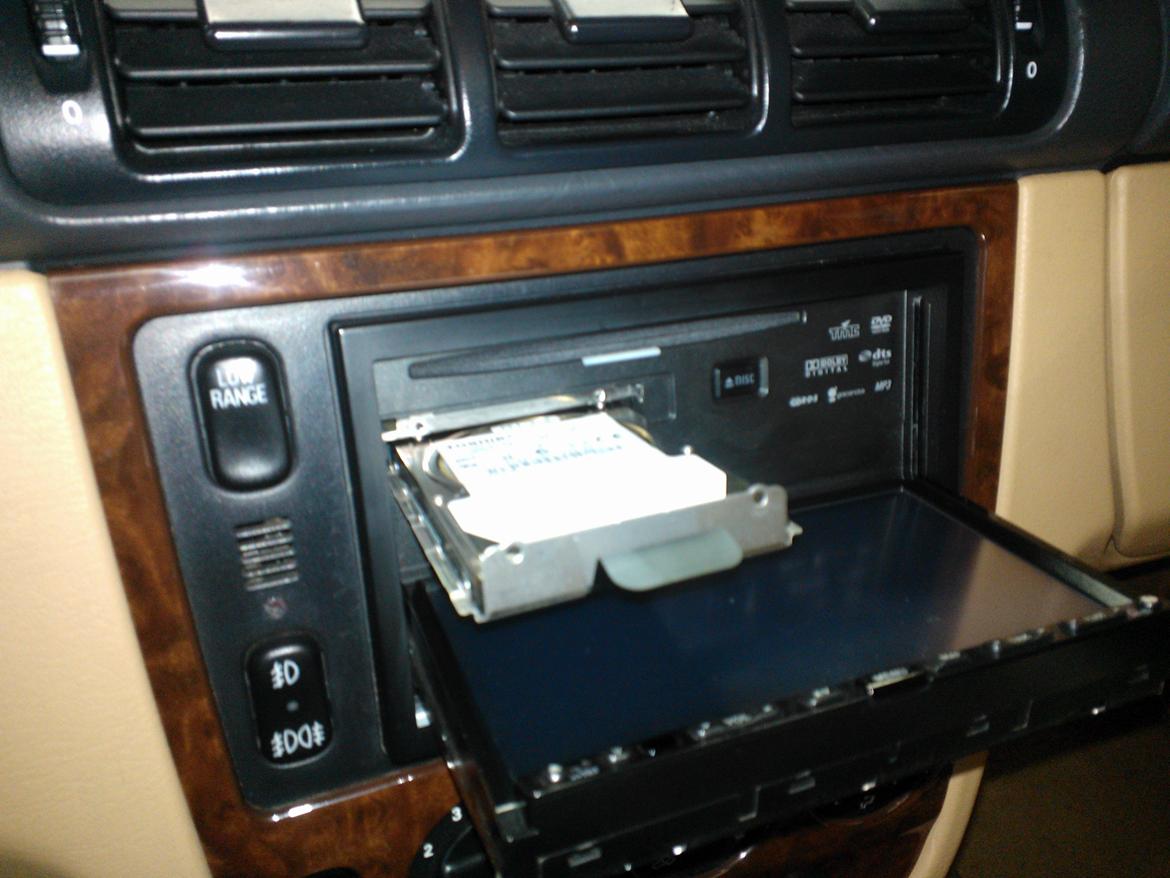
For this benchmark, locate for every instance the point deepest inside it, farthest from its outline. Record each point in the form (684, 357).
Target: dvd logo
(880, 324)
(796, 402)
(847, 329)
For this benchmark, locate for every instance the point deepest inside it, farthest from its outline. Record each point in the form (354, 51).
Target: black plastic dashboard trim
(1113, 76)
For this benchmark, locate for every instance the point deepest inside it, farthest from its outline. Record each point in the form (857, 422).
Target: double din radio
(655, 557)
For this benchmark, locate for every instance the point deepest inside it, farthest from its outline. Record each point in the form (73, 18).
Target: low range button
(238, 388)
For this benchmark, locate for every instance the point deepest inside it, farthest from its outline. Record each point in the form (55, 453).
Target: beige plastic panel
(1139, 353)
(87, 785)
(938, 854)
(1055, 479)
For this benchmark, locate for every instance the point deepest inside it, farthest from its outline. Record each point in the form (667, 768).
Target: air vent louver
(843, 71)
(178, 92)
(549, 89)
(268, 553)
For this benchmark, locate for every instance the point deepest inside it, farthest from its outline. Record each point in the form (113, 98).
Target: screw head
(275, 607)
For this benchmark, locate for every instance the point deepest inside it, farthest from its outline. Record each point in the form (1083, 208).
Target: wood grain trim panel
(377, 829)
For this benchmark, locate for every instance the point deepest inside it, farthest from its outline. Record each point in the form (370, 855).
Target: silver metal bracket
(487, 580)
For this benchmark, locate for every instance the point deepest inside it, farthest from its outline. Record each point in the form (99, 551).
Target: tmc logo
(847, 329)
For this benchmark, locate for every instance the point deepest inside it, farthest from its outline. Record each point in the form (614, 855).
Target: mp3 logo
(845, 330)
(796, 402)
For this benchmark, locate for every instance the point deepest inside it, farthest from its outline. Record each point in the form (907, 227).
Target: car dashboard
(560, 438)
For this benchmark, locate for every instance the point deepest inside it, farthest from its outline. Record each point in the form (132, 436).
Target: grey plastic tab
(153, 8)
(395, 8)
(621, 21)
(651, 567)
(233, 12)
(148, 9)
(544, 8)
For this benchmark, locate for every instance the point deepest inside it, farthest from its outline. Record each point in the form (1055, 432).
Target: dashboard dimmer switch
(241, 408)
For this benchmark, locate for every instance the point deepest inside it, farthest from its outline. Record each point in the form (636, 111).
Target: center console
(670, 679)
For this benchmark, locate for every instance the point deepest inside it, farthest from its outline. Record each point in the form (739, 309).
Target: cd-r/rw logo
(845, 330)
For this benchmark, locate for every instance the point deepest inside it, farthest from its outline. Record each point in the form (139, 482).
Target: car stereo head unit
(664, 555)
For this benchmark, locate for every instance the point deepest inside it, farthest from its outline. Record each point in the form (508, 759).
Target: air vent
(549, 89)
(848, 66)
(177, 91)
(268, 553)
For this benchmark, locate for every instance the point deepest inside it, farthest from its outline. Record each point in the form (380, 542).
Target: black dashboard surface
(88, 205)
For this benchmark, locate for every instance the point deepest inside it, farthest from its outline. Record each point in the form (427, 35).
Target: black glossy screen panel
(874, 582)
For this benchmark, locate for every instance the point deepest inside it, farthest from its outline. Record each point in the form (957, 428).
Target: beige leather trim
(1139, 354)
(87, 785)
(1114, 559)
(947, 833)
(1055, 479)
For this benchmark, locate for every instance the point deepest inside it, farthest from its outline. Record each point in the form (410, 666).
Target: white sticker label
(551, 477)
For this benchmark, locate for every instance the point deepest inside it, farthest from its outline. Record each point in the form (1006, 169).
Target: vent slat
(878, 79)
(180, 97)
(844, 73)
(547, 8)
(882, 111)
(542, 98)
(267, 569)
(552, 90)
(535, 45)
(839, 36)
(188, 10)
(258, 109)
(183, 54)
